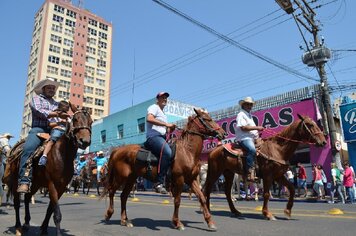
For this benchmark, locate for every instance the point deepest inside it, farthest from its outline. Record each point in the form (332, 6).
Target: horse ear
(73, 107)
(300, 117)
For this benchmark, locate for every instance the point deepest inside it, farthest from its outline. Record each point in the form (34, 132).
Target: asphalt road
(83, 215)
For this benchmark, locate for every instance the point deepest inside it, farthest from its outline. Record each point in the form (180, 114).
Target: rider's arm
(40, 109)
(151, 119)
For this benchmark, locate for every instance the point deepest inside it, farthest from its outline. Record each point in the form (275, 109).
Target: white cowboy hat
(246, 100)
(100, 152)
(40, 84)
(8, 135)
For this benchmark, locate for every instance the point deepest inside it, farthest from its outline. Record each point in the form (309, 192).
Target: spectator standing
(4, 150)
(324, 180)
(302, 180)
(336, 184)
(349, 182)
(318, 183)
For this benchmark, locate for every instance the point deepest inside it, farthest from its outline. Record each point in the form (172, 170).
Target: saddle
(237, 150)
(147, 158)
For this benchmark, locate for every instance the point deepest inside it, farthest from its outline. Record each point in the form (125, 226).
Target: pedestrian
(157, 127)
(247, 134)
(336, 184)
(4, 151)
(318, 183)
(349, 182)
(302, 180)
(42, 106)
(324, 180)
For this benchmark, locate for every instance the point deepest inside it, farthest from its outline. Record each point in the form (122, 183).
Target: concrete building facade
(73, 46)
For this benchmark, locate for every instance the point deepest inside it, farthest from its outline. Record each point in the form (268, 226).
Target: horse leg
(110, 210)
(267, 182)
(123, 197)
(229, 177)
(17, 212)
(26, 225)
(203, 204)
(177, 188)
(53, 207)
(290, 187)
(212, 176)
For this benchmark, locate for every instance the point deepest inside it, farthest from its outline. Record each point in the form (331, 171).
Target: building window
(88, 89)
(100, 82)
(141, 125)
(66, 73)
(56, 39)
(64, 84)
(88, 100)
(71, 13)
(67, 52)
(89, 79)
(103, 136)
(58, 9)
(99, 102)
(101, 63)
(53, 59)
(57, 28)
(52, 70)
(68, 42)
(102, 44)
(70, 23)
(92, 31)
(103, 35)
(103, 26)
(120, 131)
(53, 48)
(99, 92)
(98, 112)
(57, 18)
(93, 22)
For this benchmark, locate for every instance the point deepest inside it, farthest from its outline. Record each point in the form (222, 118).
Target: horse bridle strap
(72, 130)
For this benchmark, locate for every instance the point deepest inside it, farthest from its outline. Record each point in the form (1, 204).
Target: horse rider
(43, 108)
(4, 150)
(247, 133)
(81, 164)
(157, 126)
(100, 161)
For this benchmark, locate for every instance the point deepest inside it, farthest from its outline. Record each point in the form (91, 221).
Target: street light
(286, 5)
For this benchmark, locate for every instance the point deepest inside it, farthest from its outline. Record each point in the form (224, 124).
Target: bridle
(312, 134)
(71, 130)
(203, 126)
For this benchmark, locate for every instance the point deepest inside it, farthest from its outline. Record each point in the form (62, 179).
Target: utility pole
(316, 56)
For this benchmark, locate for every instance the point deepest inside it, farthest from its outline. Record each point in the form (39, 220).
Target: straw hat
(100, 152)
(7, 135)
(246, 100)
(40, 84)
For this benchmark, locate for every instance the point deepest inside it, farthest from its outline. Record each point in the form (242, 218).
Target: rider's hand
(171, 127)
(63, 115)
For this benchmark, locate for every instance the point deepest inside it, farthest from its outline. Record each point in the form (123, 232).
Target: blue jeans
(350, 192)
(249, 145)
(158, 145)
(56, 134)
(338, 189)
(31, 144)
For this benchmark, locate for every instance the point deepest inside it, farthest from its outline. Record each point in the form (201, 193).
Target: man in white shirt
(247, 133)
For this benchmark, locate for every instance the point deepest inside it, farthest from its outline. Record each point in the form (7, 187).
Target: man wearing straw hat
(247, 133)
(4, 150)
(42, 106)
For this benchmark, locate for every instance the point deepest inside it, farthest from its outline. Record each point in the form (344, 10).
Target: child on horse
(59, 127)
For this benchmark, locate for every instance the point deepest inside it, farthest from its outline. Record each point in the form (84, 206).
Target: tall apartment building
(73, 46)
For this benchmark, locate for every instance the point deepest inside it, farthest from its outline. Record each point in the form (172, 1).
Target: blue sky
(174, 55)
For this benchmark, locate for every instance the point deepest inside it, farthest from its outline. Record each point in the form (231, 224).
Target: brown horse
(124, 169)
(57, 173)
(272, 162)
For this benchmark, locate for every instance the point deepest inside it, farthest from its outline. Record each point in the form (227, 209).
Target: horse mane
(286, 132)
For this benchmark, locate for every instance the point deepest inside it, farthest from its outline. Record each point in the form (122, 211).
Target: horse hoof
(212, 227)
(288, 214)
(18, 232)
(237, 214)
(179, 227)
(127, 223)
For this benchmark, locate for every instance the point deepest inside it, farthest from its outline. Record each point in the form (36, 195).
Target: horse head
(311, 131)
(79, 128)
(204, 125)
